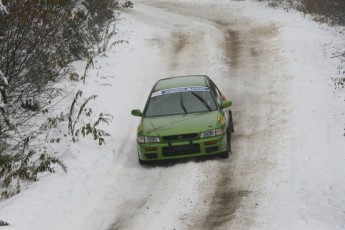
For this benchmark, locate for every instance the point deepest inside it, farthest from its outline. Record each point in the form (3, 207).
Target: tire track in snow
(227, 194)
(225, 201)
(153, 188)
(258, 83)
(251, 57)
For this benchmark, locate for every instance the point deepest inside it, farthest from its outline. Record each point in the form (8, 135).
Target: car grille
(180, 137)
(211, 149)
(181, 150)
(151, 155)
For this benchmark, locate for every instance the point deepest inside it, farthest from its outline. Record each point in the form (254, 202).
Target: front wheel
(141, 162)
(227, 152)
(231, 122)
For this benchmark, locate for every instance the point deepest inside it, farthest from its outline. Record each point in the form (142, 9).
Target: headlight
(211, 133)
(143, 139)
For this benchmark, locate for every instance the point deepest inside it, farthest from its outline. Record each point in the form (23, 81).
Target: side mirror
(225, 104)
(136, 112)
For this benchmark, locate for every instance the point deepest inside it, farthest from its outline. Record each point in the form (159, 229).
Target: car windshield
(181, 100)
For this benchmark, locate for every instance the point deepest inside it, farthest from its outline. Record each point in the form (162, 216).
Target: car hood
(179, 124)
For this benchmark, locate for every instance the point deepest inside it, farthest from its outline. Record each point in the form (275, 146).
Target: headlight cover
(211, 133)
(143, 139)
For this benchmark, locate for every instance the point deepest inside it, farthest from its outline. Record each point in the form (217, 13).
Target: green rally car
(185, 116)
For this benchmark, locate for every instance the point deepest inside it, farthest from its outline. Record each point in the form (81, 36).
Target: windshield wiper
(202, 100)
(182, 105)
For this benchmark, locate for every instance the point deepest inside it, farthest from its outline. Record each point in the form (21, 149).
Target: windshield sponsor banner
(180, 90)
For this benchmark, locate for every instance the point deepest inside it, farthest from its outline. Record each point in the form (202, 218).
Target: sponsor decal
(140, 127)
(221, 118)
(180, 90)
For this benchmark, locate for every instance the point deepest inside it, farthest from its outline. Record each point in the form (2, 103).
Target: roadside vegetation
(38, 39)
(328, 11)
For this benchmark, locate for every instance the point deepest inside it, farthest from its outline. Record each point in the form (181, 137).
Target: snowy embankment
(300, 186)
(70, 200)
(315, 199)
(319, 122)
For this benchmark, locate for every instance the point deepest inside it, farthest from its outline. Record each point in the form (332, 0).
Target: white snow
(3, 79)
(3, 9)
(303, 189)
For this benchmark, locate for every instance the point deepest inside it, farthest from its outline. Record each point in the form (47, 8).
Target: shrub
(88, 127)
(38, 38)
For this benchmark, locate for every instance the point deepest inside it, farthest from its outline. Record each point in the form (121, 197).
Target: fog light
(210, 142)
(151, 149)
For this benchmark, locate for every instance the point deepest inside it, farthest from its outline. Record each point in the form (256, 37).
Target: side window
(216, 92)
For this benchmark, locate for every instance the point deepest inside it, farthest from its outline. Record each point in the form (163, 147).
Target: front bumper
(178, 149)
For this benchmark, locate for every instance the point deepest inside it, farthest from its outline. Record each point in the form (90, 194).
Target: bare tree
(37, 40)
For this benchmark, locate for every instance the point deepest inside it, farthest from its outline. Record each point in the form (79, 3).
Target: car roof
(181, 81)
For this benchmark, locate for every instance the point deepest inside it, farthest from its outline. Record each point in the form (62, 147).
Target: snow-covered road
(245, 59)
(271, 63)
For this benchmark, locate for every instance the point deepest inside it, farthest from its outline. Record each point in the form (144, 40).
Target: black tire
(141, 162)
(231, 123)
(226, 154)
(146, 163)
